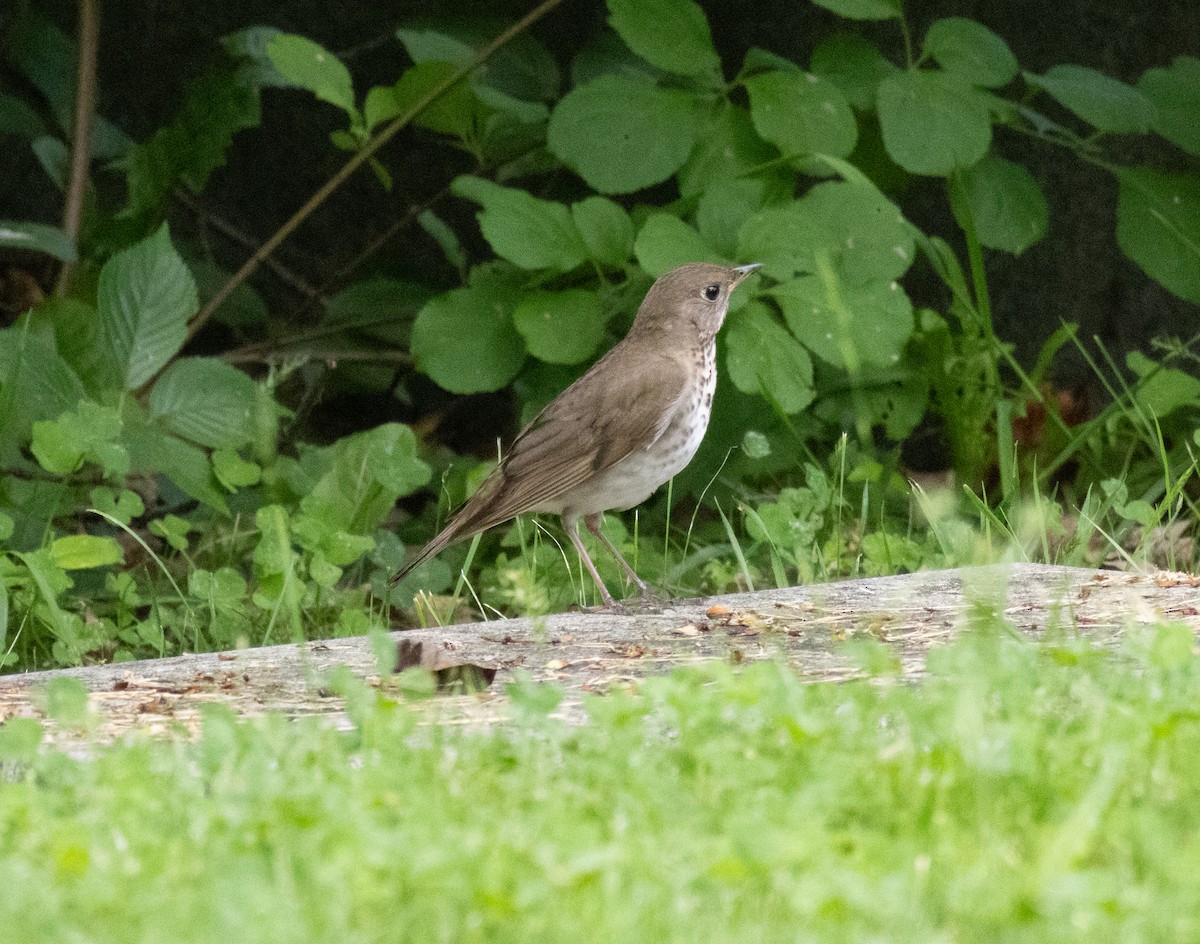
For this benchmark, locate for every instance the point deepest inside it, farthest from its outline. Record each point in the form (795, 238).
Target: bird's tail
(447, 536)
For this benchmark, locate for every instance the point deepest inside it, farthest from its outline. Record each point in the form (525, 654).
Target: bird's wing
(590, 427)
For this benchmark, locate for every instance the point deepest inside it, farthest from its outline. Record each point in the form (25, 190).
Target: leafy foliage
(218, 522)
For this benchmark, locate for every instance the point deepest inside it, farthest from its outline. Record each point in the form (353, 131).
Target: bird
(607, 442)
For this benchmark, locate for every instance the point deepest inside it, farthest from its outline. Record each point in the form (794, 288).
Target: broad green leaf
(1158, 227)
(670, 34)
(863, 9)
(145, 297)
(122, 504)
(37, 237)
(154, 451)
(466, 342)
(1175, 94)
(455, 111)
(431, 45)
(971, 51)
(81, 551)
(218, 105)
(1100, 100)
(532, 233)
(87, 433)
(622, 134)
(763, 358)
(853, 226)
(35, 384)
(932, 123)
(854, 65)
(233, 471)
(727, 147)
(1162, 390)
(18, 119)
(872, 239)
(606, 229)
(207, 401)
(174, 530)
(665, 241)
(782, 239)
(561, 327)
(361, 476)
(845, 325)
(1004, 202)
(313, 67)
(726, 205)
(801, 113)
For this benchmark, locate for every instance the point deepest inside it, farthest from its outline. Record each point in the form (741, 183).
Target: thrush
(624, 428)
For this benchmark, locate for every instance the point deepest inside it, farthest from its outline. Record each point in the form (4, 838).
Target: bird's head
(696, 294)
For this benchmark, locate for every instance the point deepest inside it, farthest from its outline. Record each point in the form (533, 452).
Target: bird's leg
(571, 524)
(593, 525)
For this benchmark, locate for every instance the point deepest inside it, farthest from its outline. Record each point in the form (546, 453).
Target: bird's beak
(744, 271)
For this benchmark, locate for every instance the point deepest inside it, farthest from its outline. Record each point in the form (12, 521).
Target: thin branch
(360, 158)
(225, 228)
(81, 137)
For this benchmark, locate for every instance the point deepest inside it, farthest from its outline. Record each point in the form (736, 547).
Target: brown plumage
(633, 421)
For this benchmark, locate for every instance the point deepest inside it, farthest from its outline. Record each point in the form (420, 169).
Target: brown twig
(360, 158)
(225, 228)
(81, 137)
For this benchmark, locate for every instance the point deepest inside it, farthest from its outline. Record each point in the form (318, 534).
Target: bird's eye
(712, 292)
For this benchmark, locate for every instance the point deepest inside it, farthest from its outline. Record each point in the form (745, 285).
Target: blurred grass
(1021, 792)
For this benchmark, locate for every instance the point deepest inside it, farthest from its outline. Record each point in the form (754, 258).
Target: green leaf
(1175, 94)
(763, 359)
(455, 112)
(854, 65)
(847, 326)
(1158, 227)
(871, 238)
(465, 341)
(665, 241)
(233, 471)
(932, 123)
(726, 205)
(88, 433)
(174, 530)
(19, 119)
(727, 147)
(215, 108)
(971, 51)
(441, 233)
(561, 327)
(670, 34)
(154, 451)
(361, 476)
(1004, 202)
(37, 237)
(207, 401)
(122, 504)
(81, 551)
(863, 9)
(853, 226)
(1162, 390)
(622, 134)
(1100, 100)
(532, 233)
(801, 113)
(145, 297)
(606, 229)
(313, 67)
(35, 383)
